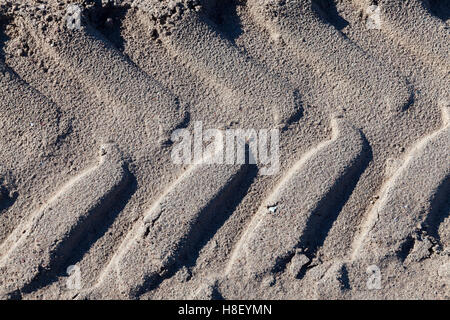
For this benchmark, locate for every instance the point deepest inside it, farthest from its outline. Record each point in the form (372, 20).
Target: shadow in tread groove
(7, 199)
(327, 10)
(99, 18)
(96, 227)
(405, 248)
(327, 212)
(226, 18)
(440, 8)
(208, 222)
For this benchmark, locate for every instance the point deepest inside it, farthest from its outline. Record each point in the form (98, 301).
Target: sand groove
(304, 200)
(412, 24)
(172, 228)
(45, 242)
(405, 199)
(299, 25)
(34, 128)
(210, 55)
(116, 81)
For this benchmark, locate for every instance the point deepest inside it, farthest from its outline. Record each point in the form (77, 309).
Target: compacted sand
(94, 206)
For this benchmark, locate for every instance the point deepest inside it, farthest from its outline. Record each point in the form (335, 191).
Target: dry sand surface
(93, 205)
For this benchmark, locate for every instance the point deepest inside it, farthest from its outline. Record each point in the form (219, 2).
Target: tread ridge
(267, 241)
(399, 205)
(35, 248)
(190, 41)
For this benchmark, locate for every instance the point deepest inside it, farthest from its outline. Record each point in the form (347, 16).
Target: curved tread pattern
(171, 228)
(326, 49)
(116, 80)
(256, 90)
(269, 239)
(405, 198)
(34, 249)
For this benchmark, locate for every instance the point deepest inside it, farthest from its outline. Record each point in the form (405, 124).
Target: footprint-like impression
(171, 229)
(306, 201)
(241, 83)
(44, 243)
(299, 25)
(406, 197)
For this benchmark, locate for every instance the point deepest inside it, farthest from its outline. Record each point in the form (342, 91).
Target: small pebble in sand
(109, 23)
(297, 264)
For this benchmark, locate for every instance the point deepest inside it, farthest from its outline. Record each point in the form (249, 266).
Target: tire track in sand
(42, 245)
(298, 24)
(26, 133)
(406, 198)
(171, 230)
(117, 82)
(411, 24)
(302, 208)
(214, 58)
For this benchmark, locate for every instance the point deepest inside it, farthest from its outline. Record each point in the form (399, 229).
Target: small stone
(297, 264)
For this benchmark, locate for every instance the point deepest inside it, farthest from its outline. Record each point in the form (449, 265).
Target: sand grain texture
(359, 91)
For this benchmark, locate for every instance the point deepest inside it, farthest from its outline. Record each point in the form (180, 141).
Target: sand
(94, 206)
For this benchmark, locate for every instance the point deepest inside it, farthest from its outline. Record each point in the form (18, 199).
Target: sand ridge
(87, 179)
